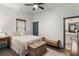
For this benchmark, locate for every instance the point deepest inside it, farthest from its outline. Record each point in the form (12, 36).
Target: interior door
(35, 28)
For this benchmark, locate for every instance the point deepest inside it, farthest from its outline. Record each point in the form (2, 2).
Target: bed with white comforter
(20, 43)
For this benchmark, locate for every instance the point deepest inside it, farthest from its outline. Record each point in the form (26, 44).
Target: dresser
(5, 41)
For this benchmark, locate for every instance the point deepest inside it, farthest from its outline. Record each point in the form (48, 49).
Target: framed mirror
(72, 28)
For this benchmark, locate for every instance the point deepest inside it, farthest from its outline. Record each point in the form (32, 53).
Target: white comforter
(20, 43)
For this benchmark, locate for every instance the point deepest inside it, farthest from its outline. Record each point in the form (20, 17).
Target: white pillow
(23, 33)
(2, 34)
(16, 33)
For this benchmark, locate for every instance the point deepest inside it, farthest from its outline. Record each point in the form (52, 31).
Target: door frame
(64, 19)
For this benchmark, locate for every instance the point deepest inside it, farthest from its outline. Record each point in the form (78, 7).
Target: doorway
(71, 30)
(35, 28)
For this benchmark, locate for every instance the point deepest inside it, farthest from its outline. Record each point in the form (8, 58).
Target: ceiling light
(35, 6)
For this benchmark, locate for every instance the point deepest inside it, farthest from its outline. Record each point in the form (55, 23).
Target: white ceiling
(28, 9)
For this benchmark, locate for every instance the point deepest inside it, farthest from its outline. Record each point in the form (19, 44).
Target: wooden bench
(52, 42)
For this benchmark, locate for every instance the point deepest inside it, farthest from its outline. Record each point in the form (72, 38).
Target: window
(20, 25)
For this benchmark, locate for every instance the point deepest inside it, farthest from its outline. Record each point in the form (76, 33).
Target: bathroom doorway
(71, 29)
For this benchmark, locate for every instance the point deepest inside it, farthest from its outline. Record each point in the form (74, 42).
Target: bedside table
(5, 41)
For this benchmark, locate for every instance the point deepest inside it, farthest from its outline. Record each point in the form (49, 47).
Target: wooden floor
(51, 51)
(7, 52)
(57, 52)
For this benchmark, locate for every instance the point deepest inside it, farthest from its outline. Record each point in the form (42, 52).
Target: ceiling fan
(35, 5)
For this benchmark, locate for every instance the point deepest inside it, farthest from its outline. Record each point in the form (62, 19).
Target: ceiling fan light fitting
(35, 6)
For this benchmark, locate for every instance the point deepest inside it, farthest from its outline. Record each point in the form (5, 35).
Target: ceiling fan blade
(28, 4)
(33, 9)
(40, 3)
(41, 7)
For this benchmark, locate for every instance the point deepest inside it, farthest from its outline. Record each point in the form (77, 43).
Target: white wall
(8, 19)
(51, 22)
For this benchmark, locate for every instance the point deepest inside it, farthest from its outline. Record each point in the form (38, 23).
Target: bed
(20, 43)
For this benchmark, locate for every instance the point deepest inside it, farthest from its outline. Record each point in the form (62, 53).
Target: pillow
(2, 34)
(16, 33)
(23, 33)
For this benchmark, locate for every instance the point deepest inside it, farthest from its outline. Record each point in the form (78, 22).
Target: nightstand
(5, 42)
